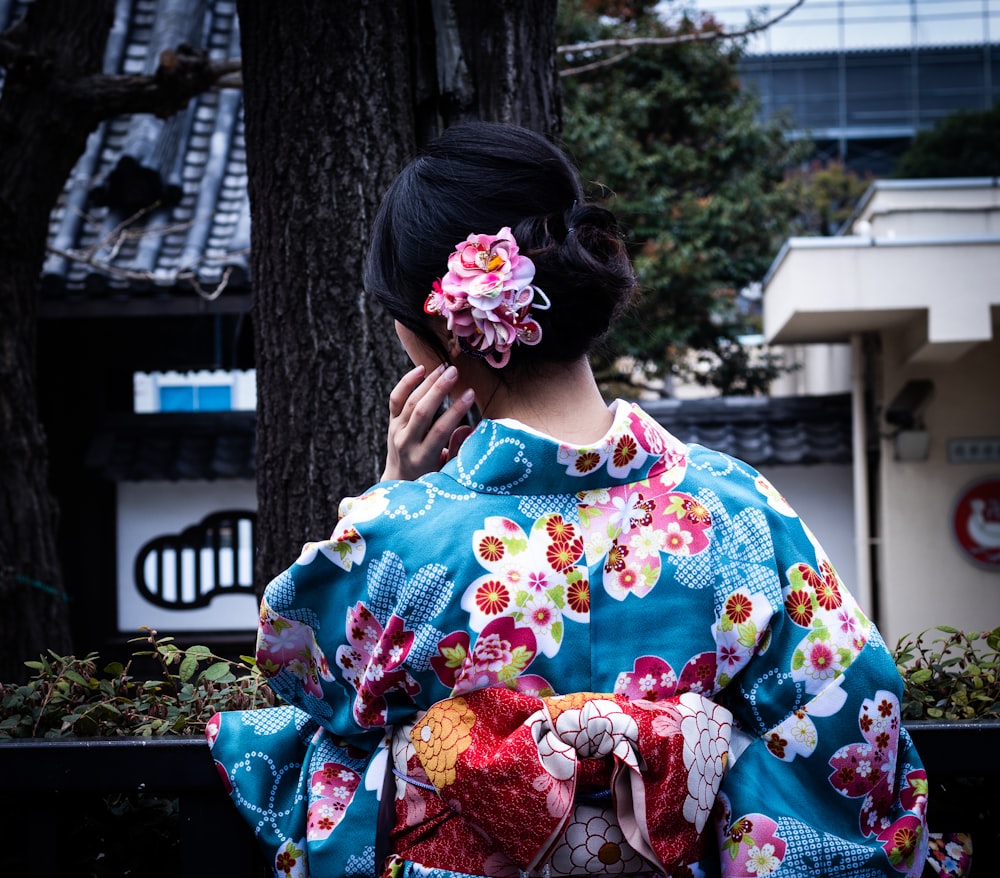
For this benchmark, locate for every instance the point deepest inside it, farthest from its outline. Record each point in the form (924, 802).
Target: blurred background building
(861, 77)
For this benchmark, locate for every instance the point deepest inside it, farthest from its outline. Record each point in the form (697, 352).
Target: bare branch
(594, 65)
(100, 256)
(697, 36)
(183, 73)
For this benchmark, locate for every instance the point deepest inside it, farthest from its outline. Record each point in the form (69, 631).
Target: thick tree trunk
(497, 61)
(41, 137)
(328, 124)
(337, 95)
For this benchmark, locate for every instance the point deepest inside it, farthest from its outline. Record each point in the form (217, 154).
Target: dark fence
(52, 790)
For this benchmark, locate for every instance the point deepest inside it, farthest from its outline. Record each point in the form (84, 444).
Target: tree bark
(337, 97)
(41, 137)
(328, 124)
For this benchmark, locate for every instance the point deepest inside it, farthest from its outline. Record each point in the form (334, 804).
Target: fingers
(404, 387)
(419, 439)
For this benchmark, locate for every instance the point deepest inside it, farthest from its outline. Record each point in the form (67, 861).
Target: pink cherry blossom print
(331, 790)
(501, 652)
(751, 847)
(288, 645)
(373, 663)
(867, 770)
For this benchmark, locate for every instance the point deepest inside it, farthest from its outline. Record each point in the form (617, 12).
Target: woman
(564, 642)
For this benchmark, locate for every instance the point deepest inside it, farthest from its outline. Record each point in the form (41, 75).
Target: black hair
(477, 177)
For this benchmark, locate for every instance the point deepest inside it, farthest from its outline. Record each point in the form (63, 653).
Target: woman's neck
(563, 401)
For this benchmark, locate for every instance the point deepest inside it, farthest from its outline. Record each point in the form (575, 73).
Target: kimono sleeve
(824, 779)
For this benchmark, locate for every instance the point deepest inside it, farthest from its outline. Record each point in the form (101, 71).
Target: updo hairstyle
(476, 178)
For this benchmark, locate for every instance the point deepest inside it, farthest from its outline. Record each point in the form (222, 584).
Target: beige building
(903, 309)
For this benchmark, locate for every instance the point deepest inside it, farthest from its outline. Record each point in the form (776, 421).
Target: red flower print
(563, 554)
(625, 451)
(642, 512)
(502, 651)
(738, 608)
(492, 597)
(537, 581)
(578, 596)
(332, 790)
(740, 828)
(540, 616)
(696, 512)
(810, 577)
(616, 558)
(627, 578)
(559, 529)
(729, 655)
(828, 595)
(901, 841)
(776, 744)
(285, 863)
(491, 548)
(867, 770)
(798, 605)
(886, 707)
(587, 461)
(651, 679)
(373, 663)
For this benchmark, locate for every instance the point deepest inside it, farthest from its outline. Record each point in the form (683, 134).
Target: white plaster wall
(925, 579)
(151, 509)
(823, 497)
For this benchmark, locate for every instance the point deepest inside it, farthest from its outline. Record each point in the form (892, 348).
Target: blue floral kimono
(639, 568)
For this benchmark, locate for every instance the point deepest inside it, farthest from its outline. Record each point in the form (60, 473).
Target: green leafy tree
(965, 144)
(825, 195)
(672, 143)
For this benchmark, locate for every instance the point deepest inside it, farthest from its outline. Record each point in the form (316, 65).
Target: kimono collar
(507, 457)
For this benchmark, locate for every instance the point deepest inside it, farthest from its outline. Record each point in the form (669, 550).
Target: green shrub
(947, 674)
(70, 696)
(954, 675)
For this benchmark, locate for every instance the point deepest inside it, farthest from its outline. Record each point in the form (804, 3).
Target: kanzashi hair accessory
(487, 296)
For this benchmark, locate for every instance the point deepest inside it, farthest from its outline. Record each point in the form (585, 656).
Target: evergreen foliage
(669, 140)
(965, 144)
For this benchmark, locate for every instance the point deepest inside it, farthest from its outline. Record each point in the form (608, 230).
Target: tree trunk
(328, 124)
(41, 137)
(497, 61)
(337, 95)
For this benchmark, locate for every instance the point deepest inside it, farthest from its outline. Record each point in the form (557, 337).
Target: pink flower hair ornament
(487, 297)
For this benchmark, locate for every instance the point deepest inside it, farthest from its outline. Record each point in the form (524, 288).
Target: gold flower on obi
(441, 737)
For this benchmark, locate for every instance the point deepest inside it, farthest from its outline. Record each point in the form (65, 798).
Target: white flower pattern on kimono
(535, 579)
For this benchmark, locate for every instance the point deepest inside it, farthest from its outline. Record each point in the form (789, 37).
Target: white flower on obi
(707, 728)
(599, 728)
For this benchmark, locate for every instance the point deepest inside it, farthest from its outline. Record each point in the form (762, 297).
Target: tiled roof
(193, 162)
(176, 447)
(219, 445)
(764, 430)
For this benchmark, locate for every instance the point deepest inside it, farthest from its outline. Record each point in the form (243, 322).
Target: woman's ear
(453, 347)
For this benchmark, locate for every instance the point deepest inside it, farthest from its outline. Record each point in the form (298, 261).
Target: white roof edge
(847, 242)
(915, 184)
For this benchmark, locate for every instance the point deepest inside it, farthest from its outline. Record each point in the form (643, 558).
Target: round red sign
(975, 523)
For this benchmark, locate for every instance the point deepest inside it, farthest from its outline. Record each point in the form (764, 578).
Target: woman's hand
(418, 441)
